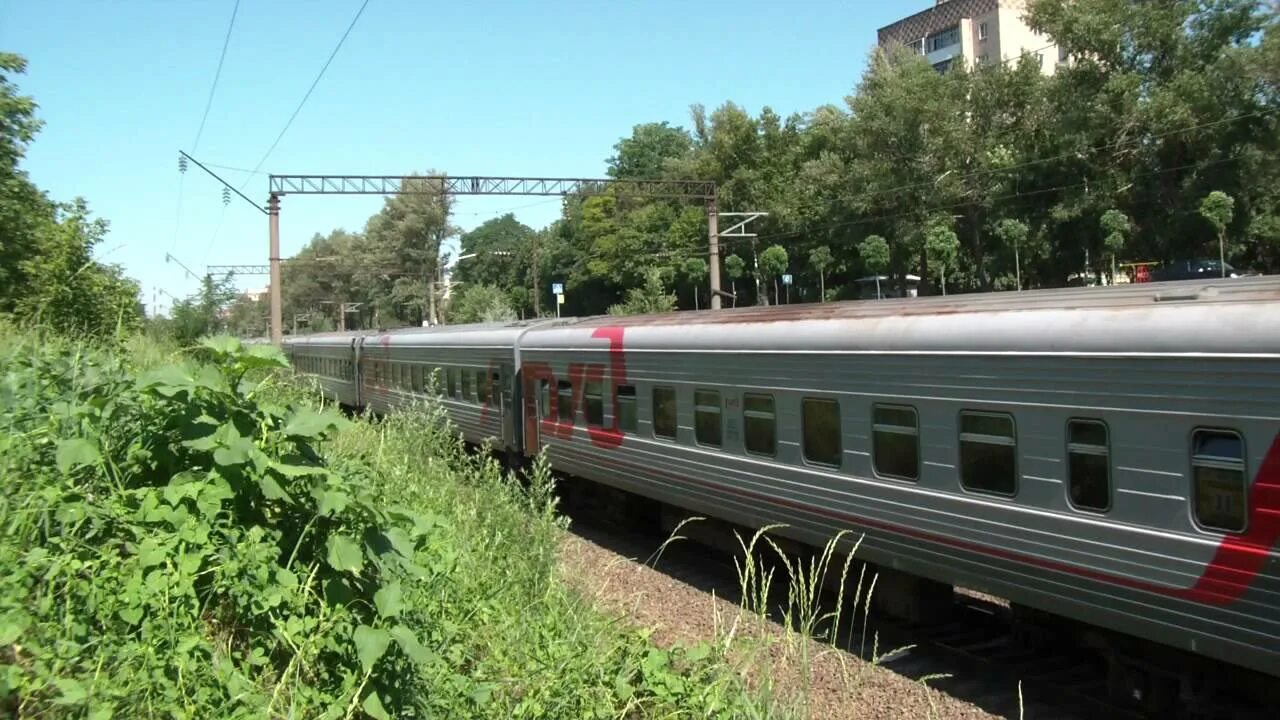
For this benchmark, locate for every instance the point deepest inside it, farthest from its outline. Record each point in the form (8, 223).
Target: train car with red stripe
(1106, 455)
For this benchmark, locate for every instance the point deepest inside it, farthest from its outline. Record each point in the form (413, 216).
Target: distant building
(973, 32)
(256, 294)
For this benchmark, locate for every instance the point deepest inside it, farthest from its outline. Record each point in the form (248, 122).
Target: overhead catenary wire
(311, 89)
(951, 206)
(226, 41)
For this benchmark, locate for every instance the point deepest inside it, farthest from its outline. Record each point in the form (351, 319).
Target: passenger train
(1110, 456)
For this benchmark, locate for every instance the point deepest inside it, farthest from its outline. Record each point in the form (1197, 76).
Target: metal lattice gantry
(480, 185)
(281, 185)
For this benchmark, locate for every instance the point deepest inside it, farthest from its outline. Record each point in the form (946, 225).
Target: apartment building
(973, 32)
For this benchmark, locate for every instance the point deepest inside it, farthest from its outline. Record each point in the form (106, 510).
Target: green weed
(194, 535)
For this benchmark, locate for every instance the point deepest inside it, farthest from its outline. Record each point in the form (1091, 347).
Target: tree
(942, 248)
(696, 270)
(644, 155)
(652, 297)
(1115, 226)
(773, 263)
(481, 304)
(202, 313)
(401, 259)
(1013, 233)
(821, 260)
(875, 255)
(1218, 208)
(734, 267)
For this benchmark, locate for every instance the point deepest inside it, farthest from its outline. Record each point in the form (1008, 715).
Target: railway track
(977, 655)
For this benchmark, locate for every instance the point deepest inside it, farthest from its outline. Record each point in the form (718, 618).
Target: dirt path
(678, 609)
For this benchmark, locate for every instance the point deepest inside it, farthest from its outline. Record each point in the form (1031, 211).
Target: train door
(509, 406)
(357, 345)
(534, 409)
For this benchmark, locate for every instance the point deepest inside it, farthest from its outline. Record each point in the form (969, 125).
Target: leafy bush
(201, 540)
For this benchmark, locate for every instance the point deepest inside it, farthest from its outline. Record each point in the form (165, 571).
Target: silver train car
(1106, 455)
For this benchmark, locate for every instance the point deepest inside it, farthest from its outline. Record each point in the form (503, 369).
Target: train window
(418, 384)
(544, 398)
(820, 426)
(988, 453)
(483, 388)
(465, 387)
(664, 412)
(1218, 477)
(759, 435)
(895, 441)
(1088, 465)
(625, 402)
(495, 388)
(564, 400)
(593, 402)
(451, 375)
(706, 417)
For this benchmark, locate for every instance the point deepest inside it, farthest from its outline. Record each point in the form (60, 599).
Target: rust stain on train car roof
(1122, 296)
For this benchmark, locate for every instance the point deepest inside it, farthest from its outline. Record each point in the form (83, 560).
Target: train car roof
(498, 334)
(1231, 316)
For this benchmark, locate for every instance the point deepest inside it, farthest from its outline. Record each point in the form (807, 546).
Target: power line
(952, 206)
(314, 83)
(216, 74)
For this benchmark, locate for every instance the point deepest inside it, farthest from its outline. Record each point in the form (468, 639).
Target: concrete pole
(713, 267)
(277, 309)
(537, 289)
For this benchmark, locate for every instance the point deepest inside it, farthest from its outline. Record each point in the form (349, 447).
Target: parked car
(1193, 270)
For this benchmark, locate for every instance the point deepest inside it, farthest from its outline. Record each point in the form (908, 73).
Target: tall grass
(202, 538)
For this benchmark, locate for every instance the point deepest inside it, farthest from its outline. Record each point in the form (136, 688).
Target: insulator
(226, 196)
(182, 163)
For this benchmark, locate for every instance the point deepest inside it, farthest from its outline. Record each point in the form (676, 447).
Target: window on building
(1218, 479)
(988, 449)
(1088, 464)
(483, 387)
(593, 402)
(895, 441)
(1063, 55)
(944, 39)
(664, 412)
(626, 408)
(759, 433)
(820, 427)
(564, 400)
(982, 31)
(544, 398)
(466, 385)
(706, 418)
(452, 381)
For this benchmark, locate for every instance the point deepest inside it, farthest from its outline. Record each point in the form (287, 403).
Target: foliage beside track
(200, 539)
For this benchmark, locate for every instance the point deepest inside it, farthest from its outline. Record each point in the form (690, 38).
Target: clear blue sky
(539, 87)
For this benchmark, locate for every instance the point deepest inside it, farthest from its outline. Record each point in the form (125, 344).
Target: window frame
(719, 412)
(543, 399)
(875, 469)
(588, 397)
(773, 423)
(562, 403)
(1106, 453)
(983, 31)
(675, 414)
(483, 397)
(804, 448)
(632, 401)
(464, 387)
(960, 433)
(1195, 486)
